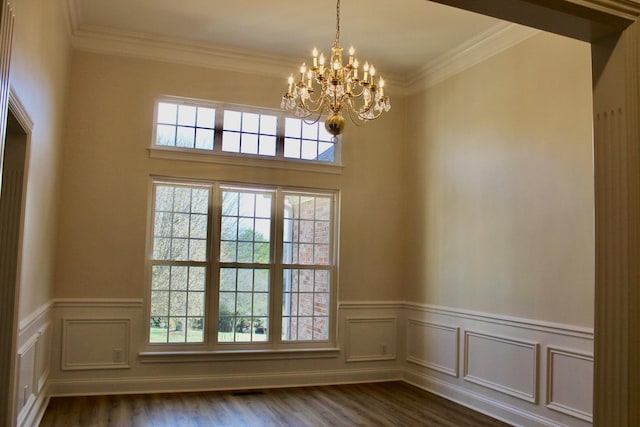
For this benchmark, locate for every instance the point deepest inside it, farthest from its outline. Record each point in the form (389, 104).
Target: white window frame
(218, 156)
(274, 347)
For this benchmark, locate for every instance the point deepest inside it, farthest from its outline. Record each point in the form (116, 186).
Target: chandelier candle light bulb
(338, 89)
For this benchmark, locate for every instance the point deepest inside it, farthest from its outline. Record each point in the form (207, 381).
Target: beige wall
(107, 167)
(39, 73)
(500, 161)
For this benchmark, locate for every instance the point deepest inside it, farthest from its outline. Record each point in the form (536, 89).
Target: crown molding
(626, 9)
(485, 45)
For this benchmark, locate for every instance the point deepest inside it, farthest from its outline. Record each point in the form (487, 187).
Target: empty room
(320, 213)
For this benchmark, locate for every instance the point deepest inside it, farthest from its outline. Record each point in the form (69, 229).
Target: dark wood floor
(374, 404)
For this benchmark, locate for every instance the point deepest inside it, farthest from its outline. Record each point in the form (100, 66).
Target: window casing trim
(275, 347)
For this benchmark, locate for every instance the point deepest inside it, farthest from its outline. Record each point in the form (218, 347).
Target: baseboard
(32, 415)
(477, 402)
(129, 385)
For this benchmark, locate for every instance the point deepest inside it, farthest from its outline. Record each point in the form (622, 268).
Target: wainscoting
(524, 372)
(33, 366)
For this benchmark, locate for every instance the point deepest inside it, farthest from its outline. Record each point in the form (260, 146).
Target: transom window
(238, 265)
(212, 128)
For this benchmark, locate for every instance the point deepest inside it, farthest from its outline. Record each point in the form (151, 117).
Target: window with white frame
(207, 127)
(241, 266)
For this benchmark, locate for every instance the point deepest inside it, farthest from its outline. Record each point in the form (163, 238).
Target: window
(214, 131)
(241, 266)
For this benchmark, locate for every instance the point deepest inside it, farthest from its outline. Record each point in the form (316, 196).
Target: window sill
(175, 356)
(243, 160)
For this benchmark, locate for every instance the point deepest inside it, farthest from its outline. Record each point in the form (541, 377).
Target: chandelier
(336, 87)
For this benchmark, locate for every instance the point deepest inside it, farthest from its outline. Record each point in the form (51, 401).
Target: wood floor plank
(389, 404)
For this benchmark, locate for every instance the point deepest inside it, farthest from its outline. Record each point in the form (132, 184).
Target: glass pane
(200, 201)
(227, 279)
(178, 304)
(322, 232)
(196, 304)
(228, 251)
(323, 208)
(260, 304)
(177, 326)
(178, 278)
(159, 303)
(160, 277)
(323, 135)
(227, 303)
(167, 113)
(197, 277)
(229, 228)
(198, 227)
(250, 122)
(158, 332)
(206, 117)
(305, 254)
(231, 142)
(245, 279)
(247, 204)
(204, 139)
(166, 135)
(195, 329)
(245, 252)
(161, 248)
(182, 199)
(307, 206)
(232, 120)
(309, 150)
(230, 203)
(268, 124)
(292, 148)
(180, 249)
(162, 224)
(261, 253)
(198, 250)
(263, 205)
(180, 225)
(267, 145)
(310, 131)
(262, 230)
(292, 127)
(185, 137)
(326, 152)
(245, 229)
(187, 115)
(261, 280)
(305, 231)
(249, 143)
(321, 328)
(244, 305)
(321, 281)
(164, 198)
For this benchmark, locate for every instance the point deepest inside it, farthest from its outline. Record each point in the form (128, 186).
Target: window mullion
(278, 271)
(214, 264)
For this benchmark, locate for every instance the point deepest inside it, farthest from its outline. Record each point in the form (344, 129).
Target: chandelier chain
(337, 41)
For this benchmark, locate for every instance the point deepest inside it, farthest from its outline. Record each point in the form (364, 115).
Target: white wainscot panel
(370, 338)
(43, 353)
(25, 392)
(433, 345)
(503, 364)
(95, 343)
(570, 383)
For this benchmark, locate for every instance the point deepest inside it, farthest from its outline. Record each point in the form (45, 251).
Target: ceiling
(398, 36)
